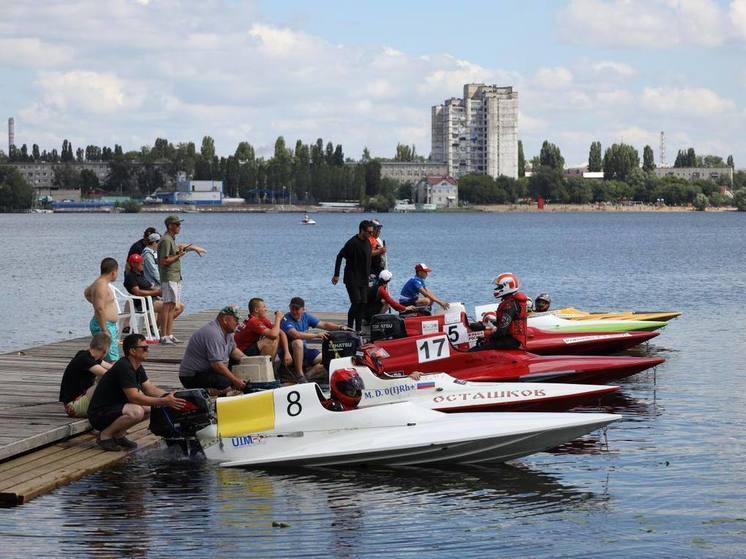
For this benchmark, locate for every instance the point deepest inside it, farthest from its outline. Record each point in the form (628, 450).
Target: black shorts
(206, 379)
(252, 350)
(101, 418)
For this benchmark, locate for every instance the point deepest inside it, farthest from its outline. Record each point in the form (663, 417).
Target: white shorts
(171, 292)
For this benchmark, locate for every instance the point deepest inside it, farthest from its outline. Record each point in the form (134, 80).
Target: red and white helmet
(505, 284)
(346, 387)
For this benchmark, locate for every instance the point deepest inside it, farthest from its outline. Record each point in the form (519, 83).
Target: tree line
(625, 180)
(305, 173)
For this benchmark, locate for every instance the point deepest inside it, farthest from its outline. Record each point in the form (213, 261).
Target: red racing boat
(540, 342)
(434, 353)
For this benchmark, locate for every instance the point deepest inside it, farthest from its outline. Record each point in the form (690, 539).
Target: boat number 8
(294, 407)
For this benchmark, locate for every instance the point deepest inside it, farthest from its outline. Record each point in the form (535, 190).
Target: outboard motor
(386, 327)
(339, 344)
(180, 427)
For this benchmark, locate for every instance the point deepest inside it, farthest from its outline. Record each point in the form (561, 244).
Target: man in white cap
(416, 293)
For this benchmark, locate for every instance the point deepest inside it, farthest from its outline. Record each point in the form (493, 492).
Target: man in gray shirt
(205, 362)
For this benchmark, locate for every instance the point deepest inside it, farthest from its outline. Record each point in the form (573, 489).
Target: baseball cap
(173, 219)
(134, 258)
(154, 238)
(231, 310)
(422, 267)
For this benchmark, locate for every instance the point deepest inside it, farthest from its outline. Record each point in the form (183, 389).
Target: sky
(367, 73)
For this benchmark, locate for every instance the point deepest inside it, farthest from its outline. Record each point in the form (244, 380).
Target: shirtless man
(105, 313)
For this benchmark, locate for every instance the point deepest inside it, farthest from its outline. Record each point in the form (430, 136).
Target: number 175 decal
(432, 349)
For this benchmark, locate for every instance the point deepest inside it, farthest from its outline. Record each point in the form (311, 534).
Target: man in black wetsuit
(357, 255)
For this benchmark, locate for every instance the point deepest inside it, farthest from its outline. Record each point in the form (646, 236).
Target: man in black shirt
(357, 254)
(124, 397)
(81, 373)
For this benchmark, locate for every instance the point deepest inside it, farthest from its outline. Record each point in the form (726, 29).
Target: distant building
(718, 175)
(582, 172)
(190, 191)
(40, 174)
(411, 171)
(439, 191)
(478, 133)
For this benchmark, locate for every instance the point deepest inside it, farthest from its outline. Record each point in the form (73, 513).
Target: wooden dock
(41, 448)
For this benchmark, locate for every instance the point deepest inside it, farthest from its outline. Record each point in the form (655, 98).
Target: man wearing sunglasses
(124, 396)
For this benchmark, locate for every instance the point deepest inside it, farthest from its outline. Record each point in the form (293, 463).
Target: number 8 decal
(294, 407)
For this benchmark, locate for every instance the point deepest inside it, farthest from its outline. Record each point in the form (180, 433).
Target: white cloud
(33, 52)
(284, 42)
(636, 136)
(89, 92)
(685, 101)
(614, 69)
(553, 78)
(738, 17)
(643, 23)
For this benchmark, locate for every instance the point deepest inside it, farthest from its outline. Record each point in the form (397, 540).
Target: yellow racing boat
(571, 313)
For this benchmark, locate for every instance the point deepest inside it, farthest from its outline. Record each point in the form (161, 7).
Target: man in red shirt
(258, 336)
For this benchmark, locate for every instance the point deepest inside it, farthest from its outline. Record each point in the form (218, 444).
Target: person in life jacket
(510, 317)
(380, 300)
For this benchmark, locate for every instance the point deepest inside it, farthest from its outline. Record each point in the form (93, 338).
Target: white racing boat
(552, 323)
(442, 392)
(290, 426)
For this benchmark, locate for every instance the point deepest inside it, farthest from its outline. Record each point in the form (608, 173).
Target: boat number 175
(432, 349)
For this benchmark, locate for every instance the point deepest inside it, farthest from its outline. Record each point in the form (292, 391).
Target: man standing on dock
(124, 396)
(169, 262)
(105, 312)
(357, 255)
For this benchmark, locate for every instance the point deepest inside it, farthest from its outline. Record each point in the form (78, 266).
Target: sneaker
(108, 444)
(166, 340)
(124, 442)
(174, 339)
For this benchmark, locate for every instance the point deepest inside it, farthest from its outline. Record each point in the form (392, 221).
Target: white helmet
(529, 305)
(505, 284)
(385, 275)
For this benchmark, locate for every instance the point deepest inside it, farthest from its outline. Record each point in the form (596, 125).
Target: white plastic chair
(134, 321)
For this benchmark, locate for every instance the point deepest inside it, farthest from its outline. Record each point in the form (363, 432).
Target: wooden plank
(78, 464)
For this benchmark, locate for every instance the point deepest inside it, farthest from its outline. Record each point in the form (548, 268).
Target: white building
(438, 191)
(478, 133)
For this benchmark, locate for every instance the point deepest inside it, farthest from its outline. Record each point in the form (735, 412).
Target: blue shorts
(309, 354)
(111, 328)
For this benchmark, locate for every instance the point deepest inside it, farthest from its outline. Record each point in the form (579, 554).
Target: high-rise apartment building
(478, 133)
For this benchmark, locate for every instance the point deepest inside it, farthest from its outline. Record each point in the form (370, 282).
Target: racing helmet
(385, 276)
(542, 300)
(529, 305)
(505, 284)
(346, 387)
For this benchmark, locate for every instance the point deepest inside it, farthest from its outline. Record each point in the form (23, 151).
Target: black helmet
(542, 302)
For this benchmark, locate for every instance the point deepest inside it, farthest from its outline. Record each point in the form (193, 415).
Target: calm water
(671, 481)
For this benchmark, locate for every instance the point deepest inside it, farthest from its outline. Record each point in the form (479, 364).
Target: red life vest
(518, 326)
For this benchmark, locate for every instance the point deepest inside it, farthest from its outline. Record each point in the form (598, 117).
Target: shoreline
(490, 208)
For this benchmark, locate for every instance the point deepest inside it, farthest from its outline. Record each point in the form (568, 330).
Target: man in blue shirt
(414, 291)
(296, 324)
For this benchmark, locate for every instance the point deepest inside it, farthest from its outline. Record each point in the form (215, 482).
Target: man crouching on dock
(124, 396)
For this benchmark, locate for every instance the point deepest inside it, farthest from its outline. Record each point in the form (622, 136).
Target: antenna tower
(662, 151)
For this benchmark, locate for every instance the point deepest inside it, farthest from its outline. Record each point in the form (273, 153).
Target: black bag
(173, 424)
(386, 327)
(339, 344)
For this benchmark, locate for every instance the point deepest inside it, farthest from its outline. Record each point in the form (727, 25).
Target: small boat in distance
(307, 220)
